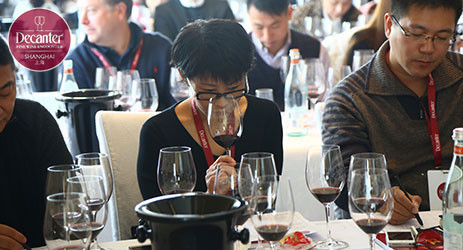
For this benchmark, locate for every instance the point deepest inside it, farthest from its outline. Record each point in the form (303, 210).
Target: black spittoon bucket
(81, 107)
(193, 221)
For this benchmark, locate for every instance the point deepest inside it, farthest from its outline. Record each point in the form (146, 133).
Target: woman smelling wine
(213, 58)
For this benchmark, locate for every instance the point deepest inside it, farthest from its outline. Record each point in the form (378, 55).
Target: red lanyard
(431, 121)
(202, 135)
(108, 66)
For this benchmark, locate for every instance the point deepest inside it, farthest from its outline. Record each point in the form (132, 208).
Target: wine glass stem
(372, 241)
(327, 217)
(228, 152)
(273, 245)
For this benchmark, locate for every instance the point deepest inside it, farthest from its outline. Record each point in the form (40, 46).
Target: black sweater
(30, 142)
(264, 76)
(262, 132)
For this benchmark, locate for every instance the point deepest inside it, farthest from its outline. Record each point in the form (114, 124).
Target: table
(345, 230)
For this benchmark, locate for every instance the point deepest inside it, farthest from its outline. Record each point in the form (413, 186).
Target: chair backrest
(118, 135)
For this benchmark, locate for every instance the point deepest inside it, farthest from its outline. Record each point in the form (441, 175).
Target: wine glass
(262, 163)
(178, 89)
(370, 200)
(315, 79)
(224, 121)
(325, 177)
(176, 170)
(144, 96)
(93, 188)
(361, 56)
(272, 204)
(125, 80)
(97, 164)
(65, 212)
(57, 176)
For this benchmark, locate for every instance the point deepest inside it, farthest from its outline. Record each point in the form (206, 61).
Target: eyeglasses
(437, 40)
(235, 94)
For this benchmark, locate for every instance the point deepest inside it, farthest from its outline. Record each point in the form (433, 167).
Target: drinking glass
(176, 170)
(361, 56)
(315, 79)
(360, 160)
(272, 204)
(179, 90)
(265, 93)
(57, 176)
(325, 177)
(144, 96)
(262, 163)
(65, 213)
(98, 164)
(92, 187)
(224, 121)
(125, 80)
(337, 74)
(370, 200)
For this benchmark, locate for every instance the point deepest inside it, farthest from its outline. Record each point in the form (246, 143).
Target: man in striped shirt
(410, 91)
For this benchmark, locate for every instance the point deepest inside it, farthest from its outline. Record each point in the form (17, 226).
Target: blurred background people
(328, 14)
(371, 36)
(273, 39)
(25, 5)
(213, 58)
(172, 15)
(111, 40)
(30, 142)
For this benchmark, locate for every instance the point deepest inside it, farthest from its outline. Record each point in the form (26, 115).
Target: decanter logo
(39, 39)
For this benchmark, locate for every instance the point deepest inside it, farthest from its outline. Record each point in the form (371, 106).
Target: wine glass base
(331, 244)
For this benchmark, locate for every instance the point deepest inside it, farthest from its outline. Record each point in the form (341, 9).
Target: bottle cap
(457, 134)
(67, 64)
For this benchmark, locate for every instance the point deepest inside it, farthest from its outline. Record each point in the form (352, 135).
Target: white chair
(118, 135)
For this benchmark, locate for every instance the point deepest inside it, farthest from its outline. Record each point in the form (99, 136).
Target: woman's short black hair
(5, 55)
(220, 49)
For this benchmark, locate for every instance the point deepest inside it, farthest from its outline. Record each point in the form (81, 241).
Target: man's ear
(290, 12)
(387, 24)
(121, 9)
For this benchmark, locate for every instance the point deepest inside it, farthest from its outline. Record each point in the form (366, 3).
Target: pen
(417, 215)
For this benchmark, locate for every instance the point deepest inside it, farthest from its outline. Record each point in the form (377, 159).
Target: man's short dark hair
(400, 8)
(273, 7)
(5, 55)
(128, 3)
(216, 48)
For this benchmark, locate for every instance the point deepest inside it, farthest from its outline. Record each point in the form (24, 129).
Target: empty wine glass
(361, 56)
(144, 96)
(92, 187)
(370, 199)
(176, 170)
(97, 164)
(124, 82)
(262, 163)
(64, 213)
(337, 74)
(179, 90)
(224, 121)
(325, 177)
(272, 204)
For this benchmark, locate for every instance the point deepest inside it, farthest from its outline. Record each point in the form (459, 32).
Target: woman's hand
(404, 209)
(10, 238)
(223, 160)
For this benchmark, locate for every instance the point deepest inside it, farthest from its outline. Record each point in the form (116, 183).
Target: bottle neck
(68, 71)
(458, 147)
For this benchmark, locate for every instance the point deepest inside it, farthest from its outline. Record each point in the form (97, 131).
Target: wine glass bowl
(325, 177)
(370, 199)
(315, 79)
(224, 121)
(98, 164)
(272, 204)
(262, 163)
(176, 171)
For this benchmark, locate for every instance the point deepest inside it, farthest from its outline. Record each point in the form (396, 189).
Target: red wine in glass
(372, 225)
(226, 141)
(369, 205)
(273, 232)
(326, 194)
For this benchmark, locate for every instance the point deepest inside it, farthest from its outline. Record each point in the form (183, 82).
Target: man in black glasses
(30, 142)
(405, 102)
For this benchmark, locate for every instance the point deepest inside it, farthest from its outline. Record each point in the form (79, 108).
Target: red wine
(81, 230)
(371, 226)
(370, 205)
(95, 204)
(272, 232)
(326, 194)
(313, 95)
(226, 141)
(261, 204)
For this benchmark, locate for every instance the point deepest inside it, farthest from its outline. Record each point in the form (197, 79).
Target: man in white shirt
(273, 39)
